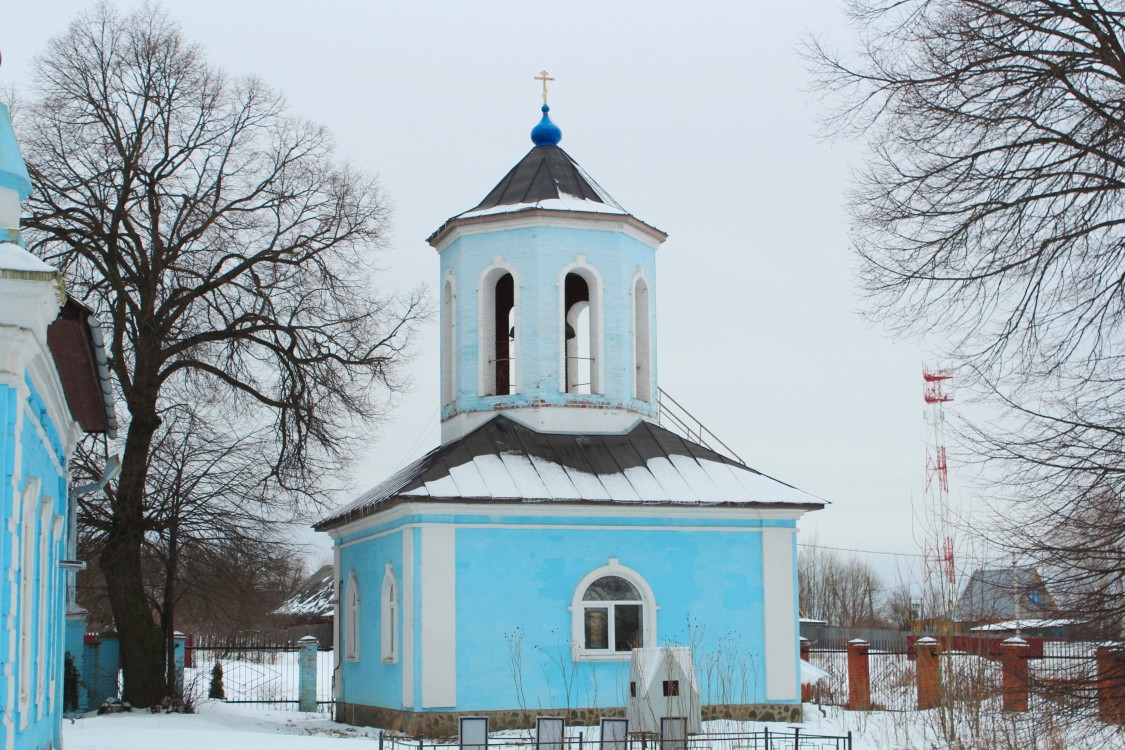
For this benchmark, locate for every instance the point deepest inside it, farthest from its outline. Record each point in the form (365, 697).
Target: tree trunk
(142, 647)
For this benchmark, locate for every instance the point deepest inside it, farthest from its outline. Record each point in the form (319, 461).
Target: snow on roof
(15, 258)
(313, 599)
(1029, 624)
(562, 203)
(503, 460)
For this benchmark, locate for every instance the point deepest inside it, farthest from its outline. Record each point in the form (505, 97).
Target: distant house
(309, 610)
(995, 597)
(312, 603)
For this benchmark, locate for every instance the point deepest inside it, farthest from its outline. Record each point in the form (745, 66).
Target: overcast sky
(698, 120)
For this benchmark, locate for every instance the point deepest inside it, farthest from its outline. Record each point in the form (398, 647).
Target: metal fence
(970, 671)
(255, 674)
(766, 739)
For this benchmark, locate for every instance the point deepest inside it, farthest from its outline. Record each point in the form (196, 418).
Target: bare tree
(843, 591)
(992, 211)
(232, 257)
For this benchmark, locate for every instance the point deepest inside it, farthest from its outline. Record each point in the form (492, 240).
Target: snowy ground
(218, 726)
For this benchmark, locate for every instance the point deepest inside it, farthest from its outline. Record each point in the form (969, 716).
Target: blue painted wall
(538, 256)
(514, 588)
(38, 724)
(371, 681)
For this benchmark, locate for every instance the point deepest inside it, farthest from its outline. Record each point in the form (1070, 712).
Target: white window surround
(46, 589)
(486, 314)
(578, 607)
(388, 616)
(351, 619)
(597, 346)
(29, 501)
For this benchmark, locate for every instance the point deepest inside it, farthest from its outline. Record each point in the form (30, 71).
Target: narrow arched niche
(642, 342)
(448, 336)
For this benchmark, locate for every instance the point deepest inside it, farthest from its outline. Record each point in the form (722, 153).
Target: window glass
(611, 588)
(597, 627)
(627, 627)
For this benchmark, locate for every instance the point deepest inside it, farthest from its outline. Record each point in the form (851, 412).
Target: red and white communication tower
(939, 552)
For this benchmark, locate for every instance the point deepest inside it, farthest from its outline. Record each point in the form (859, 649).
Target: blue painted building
(51, 393)
(512, 570)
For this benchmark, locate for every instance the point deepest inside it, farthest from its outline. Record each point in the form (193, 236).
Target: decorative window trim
(593, 279)
(389, 628)
(486, 314)
(29, 505)
(45, 590)
(649, 608)
(351, 619)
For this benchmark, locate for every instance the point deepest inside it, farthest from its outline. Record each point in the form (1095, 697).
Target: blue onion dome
(546, 133)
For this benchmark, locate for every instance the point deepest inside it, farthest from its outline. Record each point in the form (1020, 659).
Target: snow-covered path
(216, 726)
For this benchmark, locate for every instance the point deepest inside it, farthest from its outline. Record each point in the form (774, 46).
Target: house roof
(545, 179)
(314, 598)
(504, 461)
(992, 594)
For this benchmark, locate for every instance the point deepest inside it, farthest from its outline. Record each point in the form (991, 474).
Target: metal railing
(675, 417)
(766, 739)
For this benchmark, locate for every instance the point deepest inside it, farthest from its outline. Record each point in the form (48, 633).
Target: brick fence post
(929, 673)
(306, 675)
(806, 688)
(859, 676)
(1110, 659)
(1013, 663)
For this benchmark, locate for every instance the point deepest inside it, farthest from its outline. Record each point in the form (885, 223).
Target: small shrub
(216, 692)
(71, 680)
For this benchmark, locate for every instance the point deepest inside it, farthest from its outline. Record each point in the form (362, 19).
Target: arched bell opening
(577, 334)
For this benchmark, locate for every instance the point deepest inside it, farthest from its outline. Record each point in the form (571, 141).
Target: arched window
(498, 333)
(351, 619)
(448, 332)
(30, 502)
(642, 342)
(581, 330)
(613, 613)
(389, 617)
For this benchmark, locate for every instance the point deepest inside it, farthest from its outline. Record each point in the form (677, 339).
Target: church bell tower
(547, 302)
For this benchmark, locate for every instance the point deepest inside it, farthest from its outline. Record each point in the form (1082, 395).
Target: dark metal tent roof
(505, 461)
(545, 173)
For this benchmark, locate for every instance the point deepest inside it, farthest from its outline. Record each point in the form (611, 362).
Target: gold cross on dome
(544, 78)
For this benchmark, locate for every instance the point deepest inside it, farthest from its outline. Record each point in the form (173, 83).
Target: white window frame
(351, 619)
(389, 635)
(578, 608)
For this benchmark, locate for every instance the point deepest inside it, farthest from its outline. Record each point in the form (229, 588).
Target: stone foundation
(444, 723)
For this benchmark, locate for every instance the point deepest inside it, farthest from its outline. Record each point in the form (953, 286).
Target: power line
(861, 551)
